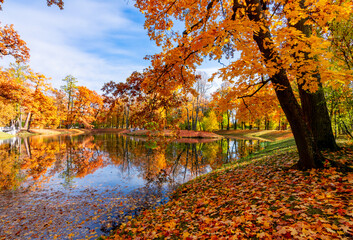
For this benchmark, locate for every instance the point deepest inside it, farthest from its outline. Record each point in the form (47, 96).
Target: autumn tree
(339, 94)
(11, 43)
(248, 108)
(340, 36)
(210, 122)
(12, 93)
(70, 89)
(142, 104)
(121, 96)
(223, 102)
(276, 49)
(86, 107)
(43, 111)
(19, 72)
(60, 104)
(198, 98)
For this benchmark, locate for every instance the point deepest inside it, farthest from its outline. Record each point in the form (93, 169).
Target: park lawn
(269, 135)
(258, 197)
(5, 136)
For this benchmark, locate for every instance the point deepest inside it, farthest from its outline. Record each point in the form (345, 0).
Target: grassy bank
(269, 135)
(5, 136)
(258, 197)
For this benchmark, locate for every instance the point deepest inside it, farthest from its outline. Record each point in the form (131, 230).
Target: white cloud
(95, 41)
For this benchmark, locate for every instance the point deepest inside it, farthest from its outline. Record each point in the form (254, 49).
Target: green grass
(272, 135)
(5, 135)
(272, 149)
(277, 147)
(227, 201)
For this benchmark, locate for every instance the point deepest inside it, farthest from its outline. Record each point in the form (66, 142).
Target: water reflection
(105, 176)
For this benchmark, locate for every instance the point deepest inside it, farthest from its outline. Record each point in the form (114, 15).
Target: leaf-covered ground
(257, 198)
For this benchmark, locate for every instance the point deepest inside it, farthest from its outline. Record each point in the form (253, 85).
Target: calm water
(80, 187)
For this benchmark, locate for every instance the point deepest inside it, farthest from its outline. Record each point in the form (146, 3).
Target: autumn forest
(259, 149)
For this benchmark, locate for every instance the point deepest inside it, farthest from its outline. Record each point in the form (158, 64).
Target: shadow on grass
(279, 147)
(272, 149)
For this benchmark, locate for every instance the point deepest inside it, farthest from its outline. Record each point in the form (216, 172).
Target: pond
(81, 187)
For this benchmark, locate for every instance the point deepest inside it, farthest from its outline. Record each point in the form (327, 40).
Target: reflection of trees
(30, 161)
(190, 160)
(82, 157)
(177, 160)
(234, 149)
(39, 158)
(9, 166)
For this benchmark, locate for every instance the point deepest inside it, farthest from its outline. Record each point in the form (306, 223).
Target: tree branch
(263, 83)
(202, 21)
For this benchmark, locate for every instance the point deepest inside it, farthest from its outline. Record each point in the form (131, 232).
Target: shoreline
(259, 196)
(263, 135)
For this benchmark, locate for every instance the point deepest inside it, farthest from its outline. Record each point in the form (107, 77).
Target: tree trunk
(20, 119)
(196, 114)
(228, 117)
(314, 104)
(316, 114)
(187, 119)
(29, 122)
(309, 155)
(127, 117)
(123, 120)
(266, 124)
(26, 126)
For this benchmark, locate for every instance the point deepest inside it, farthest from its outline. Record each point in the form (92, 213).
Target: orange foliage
(256, 200)
(87, 105)
(11, 44)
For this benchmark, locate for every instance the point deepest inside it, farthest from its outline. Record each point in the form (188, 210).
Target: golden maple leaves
(12, 44)
(219, 28)
(257, 200)
(10, 41)
(59, 3)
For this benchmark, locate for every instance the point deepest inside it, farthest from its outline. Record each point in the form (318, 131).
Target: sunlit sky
(96, 41)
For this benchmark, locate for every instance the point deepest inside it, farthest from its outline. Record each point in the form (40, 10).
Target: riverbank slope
(259, 197)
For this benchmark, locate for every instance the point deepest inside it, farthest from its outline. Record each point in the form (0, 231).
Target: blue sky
(96, 41)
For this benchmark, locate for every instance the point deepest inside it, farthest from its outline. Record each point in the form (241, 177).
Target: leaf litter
(85, 214)
(260, 199)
